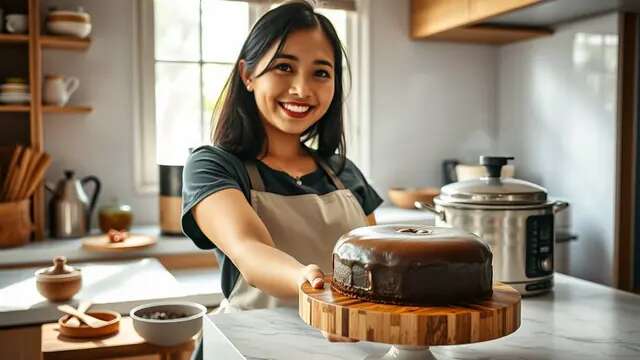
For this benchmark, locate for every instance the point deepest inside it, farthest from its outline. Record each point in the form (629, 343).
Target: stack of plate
(69, 22)
(14, 92)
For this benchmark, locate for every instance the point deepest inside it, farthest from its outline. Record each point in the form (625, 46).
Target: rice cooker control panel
(539, 248)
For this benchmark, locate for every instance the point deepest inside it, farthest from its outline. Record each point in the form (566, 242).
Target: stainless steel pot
(512, 216)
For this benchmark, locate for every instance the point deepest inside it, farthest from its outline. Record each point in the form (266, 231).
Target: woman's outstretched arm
(227, 219)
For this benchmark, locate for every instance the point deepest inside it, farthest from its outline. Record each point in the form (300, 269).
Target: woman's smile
(295, 110)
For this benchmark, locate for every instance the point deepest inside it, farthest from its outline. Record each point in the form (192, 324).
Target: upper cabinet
(502, 21)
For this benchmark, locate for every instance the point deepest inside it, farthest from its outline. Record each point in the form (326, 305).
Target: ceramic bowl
(168, 332)
(405, 197)
(14, 98)
(85, 331)
(69, 15)
(77, 29)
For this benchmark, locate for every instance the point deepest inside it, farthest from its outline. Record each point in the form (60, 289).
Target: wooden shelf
(72, 109)
(14, 38)
(64, 42)
(14, 108)
(48, 109)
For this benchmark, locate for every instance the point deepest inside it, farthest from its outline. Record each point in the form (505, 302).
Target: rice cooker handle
(424, 206)
(494, 164)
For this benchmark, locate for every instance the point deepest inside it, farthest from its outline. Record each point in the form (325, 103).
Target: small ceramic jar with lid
(60, 281)
(115, 216)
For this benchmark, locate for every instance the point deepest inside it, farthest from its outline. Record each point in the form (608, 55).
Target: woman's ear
(245, 75)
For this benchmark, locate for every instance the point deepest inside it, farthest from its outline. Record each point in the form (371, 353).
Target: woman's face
(297, 91)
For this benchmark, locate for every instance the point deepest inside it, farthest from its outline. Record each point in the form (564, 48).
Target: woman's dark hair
(239, 129)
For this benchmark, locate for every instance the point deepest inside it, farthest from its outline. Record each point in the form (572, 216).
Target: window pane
(177, 33)
(339, 20)
(225, 25)
(177, 111)
(214, 77)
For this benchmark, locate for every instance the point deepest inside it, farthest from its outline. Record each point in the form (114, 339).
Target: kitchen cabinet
(502, 21)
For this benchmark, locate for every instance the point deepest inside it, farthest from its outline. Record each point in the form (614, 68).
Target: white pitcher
(57, 89)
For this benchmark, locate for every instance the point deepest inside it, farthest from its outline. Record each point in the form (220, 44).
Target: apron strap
(254, 176)
(327, 169)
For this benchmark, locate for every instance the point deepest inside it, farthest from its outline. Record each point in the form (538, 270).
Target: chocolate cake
(412, 265)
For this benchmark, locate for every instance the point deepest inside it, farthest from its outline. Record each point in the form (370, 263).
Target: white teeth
(295, 108)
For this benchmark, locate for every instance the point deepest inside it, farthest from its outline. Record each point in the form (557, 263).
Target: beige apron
(304, 226)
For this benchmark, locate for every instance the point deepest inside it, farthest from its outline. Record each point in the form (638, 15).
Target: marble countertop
(577, 320)
(41, 252)
(117, 286)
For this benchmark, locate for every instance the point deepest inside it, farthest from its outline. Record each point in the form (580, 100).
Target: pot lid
(493, 190)
(60, 269)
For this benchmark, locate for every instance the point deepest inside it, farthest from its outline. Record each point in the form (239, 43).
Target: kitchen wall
(429, 101)
(557, 116)
(100, 143)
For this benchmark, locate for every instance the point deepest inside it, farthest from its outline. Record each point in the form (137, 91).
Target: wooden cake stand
(410, 329)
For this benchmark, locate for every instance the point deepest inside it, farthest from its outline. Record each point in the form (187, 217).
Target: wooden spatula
(87, 319)
(82, 307)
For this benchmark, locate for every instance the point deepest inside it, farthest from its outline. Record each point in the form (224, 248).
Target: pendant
(298, 181)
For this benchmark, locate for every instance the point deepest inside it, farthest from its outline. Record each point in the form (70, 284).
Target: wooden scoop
(87, 319)
(82, 307)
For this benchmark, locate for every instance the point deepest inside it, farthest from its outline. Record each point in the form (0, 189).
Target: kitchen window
(185, 51)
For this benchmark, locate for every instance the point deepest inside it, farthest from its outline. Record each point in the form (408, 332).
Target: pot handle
(426, 207)
(559, 206)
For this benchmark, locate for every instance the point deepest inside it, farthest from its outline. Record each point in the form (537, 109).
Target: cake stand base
(403, 352)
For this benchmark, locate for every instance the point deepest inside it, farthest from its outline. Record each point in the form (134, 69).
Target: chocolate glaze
(412, 264)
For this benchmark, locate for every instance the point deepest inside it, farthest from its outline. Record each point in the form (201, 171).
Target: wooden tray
(340, 315)
(133, 242)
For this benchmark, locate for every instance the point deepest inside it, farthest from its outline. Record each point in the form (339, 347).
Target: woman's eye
(323, 74)
(283, 67)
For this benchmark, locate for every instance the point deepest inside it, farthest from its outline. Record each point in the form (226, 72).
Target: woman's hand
(337, 338)
(313, 275)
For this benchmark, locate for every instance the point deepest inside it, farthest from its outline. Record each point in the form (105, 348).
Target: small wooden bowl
(84, 331)
(405, 197)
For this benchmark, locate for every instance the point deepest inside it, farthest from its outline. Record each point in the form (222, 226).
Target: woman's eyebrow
(295, 58)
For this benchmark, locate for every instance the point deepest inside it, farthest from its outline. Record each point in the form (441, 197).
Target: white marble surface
(578, 320)
(116, 286)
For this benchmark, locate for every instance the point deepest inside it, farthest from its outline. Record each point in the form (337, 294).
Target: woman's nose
(300, 87)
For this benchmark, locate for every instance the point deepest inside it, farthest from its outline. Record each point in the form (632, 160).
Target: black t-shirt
(210, 169)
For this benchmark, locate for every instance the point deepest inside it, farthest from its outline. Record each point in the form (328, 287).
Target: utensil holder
(15, 223)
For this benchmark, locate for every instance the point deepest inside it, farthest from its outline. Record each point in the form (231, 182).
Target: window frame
(143, 85)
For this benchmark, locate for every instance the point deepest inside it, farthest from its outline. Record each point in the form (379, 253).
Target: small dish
(84, 331)
(171, 331)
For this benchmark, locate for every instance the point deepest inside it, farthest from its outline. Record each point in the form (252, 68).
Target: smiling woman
(187, 51)
(271, 206)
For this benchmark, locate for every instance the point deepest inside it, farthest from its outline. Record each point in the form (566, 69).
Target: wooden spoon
(87, 319)
(82, 307)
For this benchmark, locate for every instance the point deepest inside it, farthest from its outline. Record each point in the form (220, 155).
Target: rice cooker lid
(493, 190)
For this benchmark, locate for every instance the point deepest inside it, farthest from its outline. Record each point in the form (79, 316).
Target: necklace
(298, 179)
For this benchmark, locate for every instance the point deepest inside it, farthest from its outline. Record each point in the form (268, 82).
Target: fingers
(336, 338)
(314, 276)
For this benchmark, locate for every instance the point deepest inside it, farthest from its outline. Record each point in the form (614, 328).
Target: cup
(58, 89)
(16, 23)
